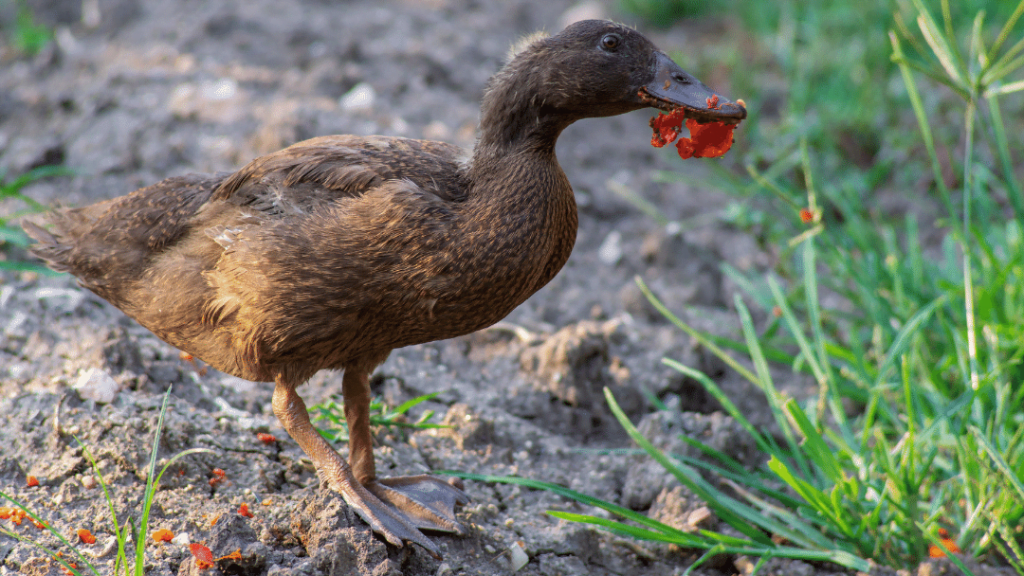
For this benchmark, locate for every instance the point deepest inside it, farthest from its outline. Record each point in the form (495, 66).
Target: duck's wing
(321, 171)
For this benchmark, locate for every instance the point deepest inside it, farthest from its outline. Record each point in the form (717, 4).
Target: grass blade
(701, 338)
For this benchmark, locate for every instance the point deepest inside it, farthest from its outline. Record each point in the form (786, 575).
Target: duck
(331, 253)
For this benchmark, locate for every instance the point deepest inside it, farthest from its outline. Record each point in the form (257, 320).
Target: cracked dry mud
(133, 91)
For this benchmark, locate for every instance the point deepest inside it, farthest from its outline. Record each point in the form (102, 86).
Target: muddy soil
(133, 91)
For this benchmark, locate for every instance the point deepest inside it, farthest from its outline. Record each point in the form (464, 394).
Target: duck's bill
(674, 88)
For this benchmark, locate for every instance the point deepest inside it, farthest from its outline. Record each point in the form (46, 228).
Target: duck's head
(598, 68)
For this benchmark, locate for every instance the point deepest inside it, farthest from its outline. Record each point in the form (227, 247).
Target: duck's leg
(332, 468)
(427, 501)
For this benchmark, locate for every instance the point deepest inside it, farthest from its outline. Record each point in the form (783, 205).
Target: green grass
(331, 416)
(25, 34)
(125, 562)
(664, 12)
(12, 235)
(918, 424)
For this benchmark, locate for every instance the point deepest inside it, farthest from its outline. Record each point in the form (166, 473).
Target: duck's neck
(516, 116)
(516, 130)
(514, 160)
(521, 206)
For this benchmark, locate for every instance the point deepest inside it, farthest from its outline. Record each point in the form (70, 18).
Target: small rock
(610, 251)
(360, 97)
(222, 89)
(517, 557)
(97, 385)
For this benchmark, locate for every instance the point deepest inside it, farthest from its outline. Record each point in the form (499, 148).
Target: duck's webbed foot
(427, 502)
(399, 513)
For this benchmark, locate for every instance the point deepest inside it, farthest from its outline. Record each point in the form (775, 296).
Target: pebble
(95, 384)
(517, 556)
(610, 251)
(360, 97)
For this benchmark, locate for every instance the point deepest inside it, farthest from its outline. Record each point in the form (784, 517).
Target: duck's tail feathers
(49, 247)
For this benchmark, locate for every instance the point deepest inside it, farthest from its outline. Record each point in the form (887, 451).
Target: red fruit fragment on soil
(163, 535)
(709, 140)
(86, 536)
(5, 512)
(266, 438)
(202, 554)
(244, 510)
(65, 569)
(32, 481)
(218, 476)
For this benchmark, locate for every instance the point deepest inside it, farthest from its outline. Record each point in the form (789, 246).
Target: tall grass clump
(926, 341)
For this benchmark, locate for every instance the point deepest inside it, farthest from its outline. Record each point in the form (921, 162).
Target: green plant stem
(972, 339)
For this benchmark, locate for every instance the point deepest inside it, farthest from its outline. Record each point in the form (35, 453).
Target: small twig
(56, 416)
(524, 335)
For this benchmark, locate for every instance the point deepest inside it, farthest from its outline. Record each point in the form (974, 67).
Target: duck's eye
(611, 41)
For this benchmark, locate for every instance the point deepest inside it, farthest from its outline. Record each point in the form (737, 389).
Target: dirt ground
(133, 91)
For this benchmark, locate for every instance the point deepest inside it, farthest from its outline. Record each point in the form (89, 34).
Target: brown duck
(336, 250)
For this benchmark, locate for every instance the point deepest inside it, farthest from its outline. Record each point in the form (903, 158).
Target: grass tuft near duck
(336, 250)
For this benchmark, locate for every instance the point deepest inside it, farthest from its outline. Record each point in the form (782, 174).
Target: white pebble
(517, 556)
(360, 97)
(610, 251)
(223, 89)
(95, 384)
